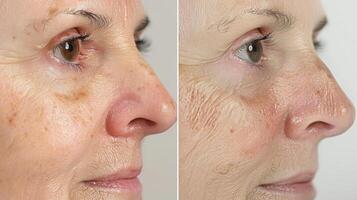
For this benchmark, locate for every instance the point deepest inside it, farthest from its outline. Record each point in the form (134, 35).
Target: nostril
(320, 126)
(141, 123)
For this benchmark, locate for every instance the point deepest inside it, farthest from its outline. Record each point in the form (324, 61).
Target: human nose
(145, 108)
(321, 108)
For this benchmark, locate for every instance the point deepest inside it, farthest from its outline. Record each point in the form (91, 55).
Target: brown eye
(68, 51)
(251, 52)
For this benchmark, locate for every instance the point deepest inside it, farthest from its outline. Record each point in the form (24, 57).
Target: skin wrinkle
(223, 25)
(60, 112)
(269, 122)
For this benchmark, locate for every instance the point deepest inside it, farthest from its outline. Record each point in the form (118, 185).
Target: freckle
(13, 37)
(151, 73)
(232, 130)
(318, 92)
(140, 88)
(12, 118)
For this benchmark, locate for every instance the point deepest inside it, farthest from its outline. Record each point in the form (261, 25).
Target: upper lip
(305, 177)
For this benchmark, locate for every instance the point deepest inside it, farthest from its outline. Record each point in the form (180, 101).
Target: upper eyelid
(246, 38)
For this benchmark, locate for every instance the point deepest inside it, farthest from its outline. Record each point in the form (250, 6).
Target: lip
(300, 186)
(122, 181)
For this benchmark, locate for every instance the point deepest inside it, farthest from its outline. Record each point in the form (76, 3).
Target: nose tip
(145, 114)
(342, 123)
(321, 109)
(333, 126)
(166, 115)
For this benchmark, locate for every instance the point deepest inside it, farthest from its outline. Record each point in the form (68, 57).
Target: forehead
(211, 10)
(117, 10)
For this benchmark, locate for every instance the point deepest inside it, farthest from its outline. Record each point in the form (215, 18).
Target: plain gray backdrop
(160, 151)
(337, 177)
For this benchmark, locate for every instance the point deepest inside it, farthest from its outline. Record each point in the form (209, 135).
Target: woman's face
(77, 98)
(255, 99)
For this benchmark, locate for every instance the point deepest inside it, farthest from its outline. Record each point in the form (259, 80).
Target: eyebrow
(143, 24)
(285, 21)
(100, 21)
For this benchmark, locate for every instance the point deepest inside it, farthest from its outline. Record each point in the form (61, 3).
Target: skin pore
(77, 98)
(249, 120)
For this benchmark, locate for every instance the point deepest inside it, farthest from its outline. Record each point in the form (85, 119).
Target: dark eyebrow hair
(100, 21)
(321, 25)
(143, 24)
(285, 21)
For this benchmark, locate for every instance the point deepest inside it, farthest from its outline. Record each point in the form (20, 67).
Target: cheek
(36, 128)
(261, 123)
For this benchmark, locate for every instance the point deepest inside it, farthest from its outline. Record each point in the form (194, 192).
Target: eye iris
(255, 51)
(70, 50)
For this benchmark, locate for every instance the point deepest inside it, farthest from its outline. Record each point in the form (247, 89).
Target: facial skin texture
(242, 125)
(61, 125)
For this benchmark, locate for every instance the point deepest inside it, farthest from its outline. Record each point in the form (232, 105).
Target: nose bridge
(320, 107)
(145, 107)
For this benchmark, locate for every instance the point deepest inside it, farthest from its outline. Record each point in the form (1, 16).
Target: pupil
(70, 50)
(250, 48)
(68, 46)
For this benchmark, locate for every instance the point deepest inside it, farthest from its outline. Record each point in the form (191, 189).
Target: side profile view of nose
(146, 108)
(322, 108)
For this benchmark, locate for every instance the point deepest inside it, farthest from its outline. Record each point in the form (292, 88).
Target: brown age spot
(225, 168)
(232, 130)
(54, 7)
(52, 11)
(12, 118)
(13, 37)
(76, 96)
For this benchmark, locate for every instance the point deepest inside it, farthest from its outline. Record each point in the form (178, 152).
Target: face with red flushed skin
(71, 112)
(255, 99)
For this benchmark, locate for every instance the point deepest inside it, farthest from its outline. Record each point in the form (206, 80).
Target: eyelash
(143, 45)
(319, 45)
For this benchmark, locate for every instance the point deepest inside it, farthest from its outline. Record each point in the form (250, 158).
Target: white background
(337, 177)
(160, 155)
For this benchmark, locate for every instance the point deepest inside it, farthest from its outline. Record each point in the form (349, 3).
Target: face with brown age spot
(255, 99)
(71, 117)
